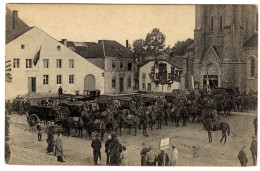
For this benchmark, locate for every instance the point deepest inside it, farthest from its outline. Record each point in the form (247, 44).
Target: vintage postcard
(131, 85)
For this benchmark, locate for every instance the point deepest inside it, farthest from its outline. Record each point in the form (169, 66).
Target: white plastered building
(40, 65)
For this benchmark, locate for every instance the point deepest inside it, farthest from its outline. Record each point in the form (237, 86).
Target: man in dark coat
(255, 125)
(163, 159)
(242, 157)
(60, 92)
(96, 145)
(39, 131)
(253, 149)
(59, 148)
(50, 139)
(7, 152)
(107, 143)
(143, 154)
(115, 149)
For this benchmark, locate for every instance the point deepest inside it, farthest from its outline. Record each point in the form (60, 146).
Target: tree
(154, 41)
(180, 46)
(138, 48)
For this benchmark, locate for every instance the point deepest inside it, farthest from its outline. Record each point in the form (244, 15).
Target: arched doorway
(211, 76)
(89, 82)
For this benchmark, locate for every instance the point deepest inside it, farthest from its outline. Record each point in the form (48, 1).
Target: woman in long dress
(124, 157)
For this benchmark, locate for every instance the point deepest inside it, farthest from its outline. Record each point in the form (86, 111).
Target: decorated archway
(211, 76)
(89, 82)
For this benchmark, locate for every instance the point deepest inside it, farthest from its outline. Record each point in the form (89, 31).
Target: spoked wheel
(33, 120)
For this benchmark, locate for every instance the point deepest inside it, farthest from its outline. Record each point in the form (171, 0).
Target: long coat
(115, 150)
(242, 157)
(58, 147)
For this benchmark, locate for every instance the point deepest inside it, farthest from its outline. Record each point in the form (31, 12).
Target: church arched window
(252, 67)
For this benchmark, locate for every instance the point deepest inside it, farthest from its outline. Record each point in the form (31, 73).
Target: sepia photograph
(131, 84)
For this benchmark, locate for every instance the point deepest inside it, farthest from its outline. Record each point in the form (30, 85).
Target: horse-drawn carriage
(38, 113)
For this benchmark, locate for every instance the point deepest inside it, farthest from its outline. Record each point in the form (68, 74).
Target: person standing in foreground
(143, 154)
(115, 149)
(96, 145)
(255, 125)
(151, 158)
(50, 139)
(253, 149)
(39, 130)
(7, 152)
(124, 157)
(59, 148)
(163, 159)
(242, 156)
(173, 156)
(107, 143)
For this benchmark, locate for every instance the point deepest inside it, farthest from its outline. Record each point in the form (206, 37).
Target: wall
(117, 73)
(147, 70)
(35, 39)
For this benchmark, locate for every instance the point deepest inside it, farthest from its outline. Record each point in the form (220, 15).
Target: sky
(90, 23)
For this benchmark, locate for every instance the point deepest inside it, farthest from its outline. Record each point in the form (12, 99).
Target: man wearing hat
(107, 143)
(115, 149)
(242, 156)
(173, 156)
(151, 157)
(143, 154)
(59, 148)
(163, 159)
(96, 145)
(253, 149)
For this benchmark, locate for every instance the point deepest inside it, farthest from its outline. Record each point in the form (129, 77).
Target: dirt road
(191, 141)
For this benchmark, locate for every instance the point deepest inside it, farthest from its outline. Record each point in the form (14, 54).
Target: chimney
(65, 42)
(15, 19)
(126, 44)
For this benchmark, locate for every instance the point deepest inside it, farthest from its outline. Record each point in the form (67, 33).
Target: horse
(76, 123)
(131, 121)
(222, 126)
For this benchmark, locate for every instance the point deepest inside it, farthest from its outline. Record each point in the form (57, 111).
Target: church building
(225, 48)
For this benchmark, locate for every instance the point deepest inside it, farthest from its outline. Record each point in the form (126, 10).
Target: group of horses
(140, 114)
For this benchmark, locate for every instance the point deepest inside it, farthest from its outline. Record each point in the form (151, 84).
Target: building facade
(148, 83)
(41, 64)
(116, 61)
(224, 49)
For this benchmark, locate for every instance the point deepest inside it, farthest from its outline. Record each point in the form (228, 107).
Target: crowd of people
(179, 107)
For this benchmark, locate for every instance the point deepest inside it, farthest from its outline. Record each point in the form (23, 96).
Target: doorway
(121, 85)
(89, 82)
(31, 84)
(213, 81)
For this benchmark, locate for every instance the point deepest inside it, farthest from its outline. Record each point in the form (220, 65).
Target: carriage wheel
(33, 120)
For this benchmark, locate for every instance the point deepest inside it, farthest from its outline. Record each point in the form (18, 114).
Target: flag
(8, 76)
(37, 57)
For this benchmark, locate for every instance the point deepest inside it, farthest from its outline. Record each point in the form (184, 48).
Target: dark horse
(224, 127)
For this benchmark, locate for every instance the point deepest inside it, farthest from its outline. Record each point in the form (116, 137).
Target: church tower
(219, 53)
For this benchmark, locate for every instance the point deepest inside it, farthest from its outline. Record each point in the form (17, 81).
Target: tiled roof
(14, 35)
(100, 62)
(252, 41)
(175, 60)
(107, 48)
